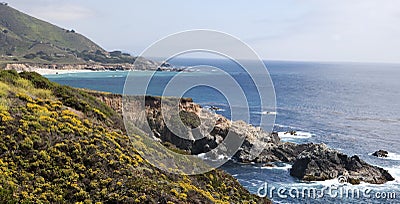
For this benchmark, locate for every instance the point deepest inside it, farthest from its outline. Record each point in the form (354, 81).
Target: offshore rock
(380, 153)
(318, 163)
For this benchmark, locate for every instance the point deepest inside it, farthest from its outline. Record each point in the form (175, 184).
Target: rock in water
(380, 153)
(319, 163)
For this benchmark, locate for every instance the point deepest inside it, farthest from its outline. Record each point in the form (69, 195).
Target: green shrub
(4, 88)
(8, 76)
(37, 80)
(30, 56)
(190, 119)
(3, 104)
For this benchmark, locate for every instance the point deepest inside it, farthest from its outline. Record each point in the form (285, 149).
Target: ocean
(352, 107)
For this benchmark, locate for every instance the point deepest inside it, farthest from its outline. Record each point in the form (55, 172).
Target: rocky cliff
(111, 100)
(310, 161)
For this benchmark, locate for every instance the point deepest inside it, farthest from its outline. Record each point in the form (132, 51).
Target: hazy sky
(306, 30)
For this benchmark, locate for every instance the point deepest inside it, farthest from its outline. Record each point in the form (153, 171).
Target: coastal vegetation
(61, 145)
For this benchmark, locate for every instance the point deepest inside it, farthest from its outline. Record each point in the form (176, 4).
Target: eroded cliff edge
(311, 162)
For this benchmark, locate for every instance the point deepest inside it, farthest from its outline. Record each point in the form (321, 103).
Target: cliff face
(206, 130)
(310, 161)
(111, 100)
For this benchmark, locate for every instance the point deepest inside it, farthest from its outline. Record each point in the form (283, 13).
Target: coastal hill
(62, 145)
(27, 40)
(22, 33)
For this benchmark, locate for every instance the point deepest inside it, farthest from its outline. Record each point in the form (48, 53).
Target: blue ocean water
(352, 107)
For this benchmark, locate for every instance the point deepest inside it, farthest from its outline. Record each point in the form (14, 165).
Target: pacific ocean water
(352, 107)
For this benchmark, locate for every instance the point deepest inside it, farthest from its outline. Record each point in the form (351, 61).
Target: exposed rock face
(255, 141)
(380, 153)
(318, 162)
(206, 137)
(311, 162)
(278, 151)
(112, 100)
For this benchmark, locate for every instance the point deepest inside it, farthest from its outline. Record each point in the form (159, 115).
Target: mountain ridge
(26, 39)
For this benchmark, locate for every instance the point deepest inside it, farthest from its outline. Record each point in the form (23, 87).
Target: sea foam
(265, 113)
(285, 167)
(297, 135)
(390, 156)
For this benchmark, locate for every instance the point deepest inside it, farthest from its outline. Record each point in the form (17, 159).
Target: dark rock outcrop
(318, 163)
(380, 153)
(211, 134)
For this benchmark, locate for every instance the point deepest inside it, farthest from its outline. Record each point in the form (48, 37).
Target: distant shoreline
(46, 69)
(43, 71)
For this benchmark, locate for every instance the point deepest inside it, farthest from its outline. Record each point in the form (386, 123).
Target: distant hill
(24, 38)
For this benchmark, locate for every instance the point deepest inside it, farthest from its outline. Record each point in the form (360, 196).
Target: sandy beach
(44, 71)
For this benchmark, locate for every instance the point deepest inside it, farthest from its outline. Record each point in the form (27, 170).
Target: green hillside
(61, 145)
(24, 38)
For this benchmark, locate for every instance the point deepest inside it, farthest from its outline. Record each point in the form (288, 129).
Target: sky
(306, 30)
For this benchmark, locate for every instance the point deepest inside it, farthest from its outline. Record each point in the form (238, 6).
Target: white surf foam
(395, 172)
(221, 157)
(265, 113)
(393, 156)
(285, 167)
(287, 127)
(204, 157)
(329, 182)
(390, 156)
(211, 109)
(297, 135)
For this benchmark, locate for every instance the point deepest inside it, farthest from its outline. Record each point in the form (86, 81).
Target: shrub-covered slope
(61, 145)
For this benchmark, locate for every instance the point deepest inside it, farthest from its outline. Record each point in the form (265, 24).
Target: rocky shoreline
(83, 66)
(141, 65)
(310, 162)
